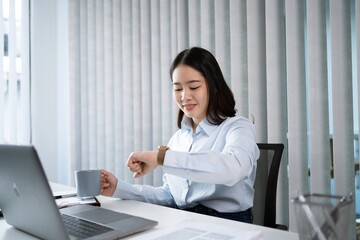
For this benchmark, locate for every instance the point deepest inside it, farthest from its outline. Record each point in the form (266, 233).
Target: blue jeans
(244, 216)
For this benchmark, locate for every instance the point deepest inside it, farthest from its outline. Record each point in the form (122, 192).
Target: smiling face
(190, 92)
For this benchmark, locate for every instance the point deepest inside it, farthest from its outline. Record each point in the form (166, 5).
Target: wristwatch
(161, 154)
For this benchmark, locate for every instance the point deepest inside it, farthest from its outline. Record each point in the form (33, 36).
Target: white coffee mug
(87, 183)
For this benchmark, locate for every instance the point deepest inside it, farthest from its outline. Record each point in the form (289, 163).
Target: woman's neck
(195, 124)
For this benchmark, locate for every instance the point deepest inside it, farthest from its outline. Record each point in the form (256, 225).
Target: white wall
(48, 84)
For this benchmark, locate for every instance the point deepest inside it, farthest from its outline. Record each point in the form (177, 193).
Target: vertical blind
(15, 73)
(297, 101)
(289, 63)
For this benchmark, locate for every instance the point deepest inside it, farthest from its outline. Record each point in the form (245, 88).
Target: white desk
(167, 217)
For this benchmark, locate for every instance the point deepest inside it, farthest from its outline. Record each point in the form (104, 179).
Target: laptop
(27, 203)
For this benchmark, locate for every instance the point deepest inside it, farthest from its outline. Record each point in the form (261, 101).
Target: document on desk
(192, 230)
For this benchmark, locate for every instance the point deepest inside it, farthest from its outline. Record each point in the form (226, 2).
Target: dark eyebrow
(189, 82)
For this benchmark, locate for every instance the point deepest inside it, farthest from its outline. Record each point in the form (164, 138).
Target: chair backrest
(265, 186)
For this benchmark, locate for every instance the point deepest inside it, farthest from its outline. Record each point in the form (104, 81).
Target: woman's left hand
(141, 163)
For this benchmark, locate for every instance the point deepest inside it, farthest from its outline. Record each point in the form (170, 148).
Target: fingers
(105, 173)
(108, 183)
(104, 183)
(138, 174)
(104, 187)
(104, 177)
(138, 171)
(135, 165)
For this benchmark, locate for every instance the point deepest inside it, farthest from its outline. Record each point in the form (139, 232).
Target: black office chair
(264, 209)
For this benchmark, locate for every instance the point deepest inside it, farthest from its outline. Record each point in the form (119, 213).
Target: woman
(210, 162)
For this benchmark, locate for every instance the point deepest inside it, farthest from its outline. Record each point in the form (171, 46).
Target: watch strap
(161, 154)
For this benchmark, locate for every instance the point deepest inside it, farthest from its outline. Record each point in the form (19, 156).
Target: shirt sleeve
(230, 159)
(145, 193)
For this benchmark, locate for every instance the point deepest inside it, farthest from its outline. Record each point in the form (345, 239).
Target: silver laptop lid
(27, 202)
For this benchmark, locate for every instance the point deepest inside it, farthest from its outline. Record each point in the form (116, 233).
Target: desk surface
(167, 217)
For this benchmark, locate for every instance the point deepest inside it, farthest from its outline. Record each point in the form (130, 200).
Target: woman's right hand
(108, 183)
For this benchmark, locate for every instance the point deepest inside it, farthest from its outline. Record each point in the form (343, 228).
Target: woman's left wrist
(161, 154)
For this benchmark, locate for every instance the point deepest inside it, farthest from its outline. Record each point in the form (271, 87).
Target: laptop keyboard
(81, 229)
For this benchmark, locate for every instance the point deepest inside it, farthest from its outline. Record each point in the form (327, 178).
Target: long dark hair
(221, 99)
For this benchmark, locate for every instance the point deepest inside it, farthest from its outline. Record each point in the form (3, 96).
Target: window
(15, 80)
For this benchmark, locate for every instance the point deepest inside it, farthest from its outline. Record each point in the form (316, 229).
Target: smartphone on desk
(72, 201)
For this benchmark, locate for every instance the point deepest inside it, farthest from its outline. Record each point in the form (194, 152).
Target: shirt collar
(204, 126)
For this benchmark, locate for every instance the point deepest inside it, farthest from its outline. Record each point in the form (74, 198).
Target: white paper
(192, 230)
